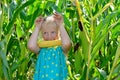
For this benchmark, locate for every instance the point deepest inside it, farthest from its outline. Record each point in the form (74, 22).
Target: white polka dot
(48, 58)
(44, 66)
(53, 54)
(56, 65)
(57, 74)
(48, 66)
(54, 50)
(43, 76)
(52, 71)
(46, 75)
(52, 62)
(50, 50)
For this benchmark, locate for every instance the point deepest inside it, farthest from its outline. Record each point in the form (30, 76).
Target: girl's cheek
(55, 36)
(44, 37)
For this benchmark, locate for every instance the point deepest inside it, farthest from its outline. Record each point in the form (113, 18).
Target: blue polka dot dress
(51, 64)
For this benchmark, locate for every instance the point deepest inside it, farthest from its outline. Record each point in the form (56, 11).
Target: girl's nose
(49, 37)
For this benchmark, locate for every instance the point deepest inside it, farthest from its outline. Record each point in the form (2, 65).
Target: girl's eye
(53, 32)
(45, 33)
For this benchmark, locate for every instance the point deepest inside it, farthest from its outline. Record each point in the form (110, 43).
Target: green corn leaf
(24, 16)
(102, 73)
(11, 23)
(78, 61)
(1, 72)
(100, 42)
(60, 5)
(19, 30)
(3, 53)
(66, 21)
(5, 71)
(103, 26)
(117, 69)
(16, 65)
(85, 45)
(34, 15)
(115, 61)
(102, 35)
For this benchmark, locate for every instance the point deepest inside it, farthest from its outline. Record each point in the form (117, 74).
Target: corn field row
(93, 26)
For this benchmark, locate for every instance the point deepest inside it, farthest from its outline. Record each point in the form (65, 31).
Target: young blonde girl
(51, 62)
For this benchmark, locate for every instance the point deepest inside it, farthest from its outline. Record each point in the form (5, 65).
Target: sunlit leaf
(97, 37)
(102, 73)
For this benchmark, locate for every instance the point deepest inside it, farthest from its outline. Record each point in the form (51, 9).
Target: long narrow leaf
(11, 23)
(115, 61)
(102, 38)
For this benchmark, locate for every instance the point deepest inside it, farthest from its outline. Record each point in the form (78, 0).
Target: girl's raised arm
(32, 43)
(66, 42)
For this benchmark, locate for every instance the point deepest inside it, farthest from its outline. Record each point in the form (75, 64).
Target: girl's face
(50, 32)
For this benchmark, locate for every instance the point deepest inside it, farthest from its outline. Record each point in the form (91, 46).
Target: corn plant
(93, 26)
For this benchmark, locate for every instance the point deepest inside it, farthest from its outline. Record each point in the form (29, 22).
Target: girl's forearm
(32, 43)
(66, 42)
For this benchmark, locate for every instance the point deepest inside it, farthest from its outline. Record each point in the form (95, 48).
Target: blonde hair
(48, 20)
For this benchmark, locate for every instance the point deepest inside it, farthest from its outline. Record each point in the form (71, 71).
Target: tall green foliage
(93, 26)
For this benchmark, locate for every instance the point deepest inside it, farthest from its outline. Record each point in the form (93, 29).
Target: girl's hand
(58, 19)
(38, 22)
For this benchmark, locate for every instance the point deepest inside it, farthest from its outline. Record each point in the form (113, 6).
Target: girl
(51, 63)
